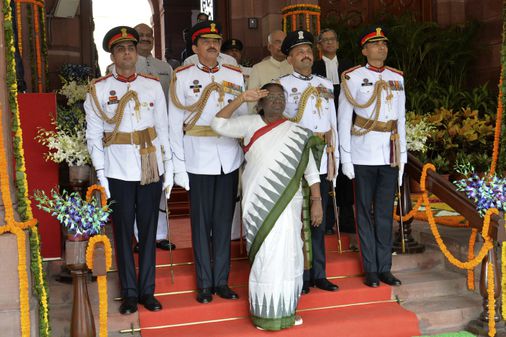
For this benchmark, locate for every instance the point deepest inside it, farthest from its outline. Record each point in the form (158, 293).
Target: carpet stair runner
(353, 311)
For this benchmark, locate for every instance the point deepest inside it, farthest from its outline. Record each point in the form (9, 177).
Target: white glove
(181, 179)
(348, 170)
(102, 179)
(168, 177)
(401, 173)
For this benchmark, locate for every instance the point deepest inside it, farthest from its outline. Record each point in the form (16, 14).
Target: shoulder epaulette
(151, 77)
(178, 69)
(232, 67)
(96, 80)
(346, 72)
(323, 78)
(397, 71)
(284, 76)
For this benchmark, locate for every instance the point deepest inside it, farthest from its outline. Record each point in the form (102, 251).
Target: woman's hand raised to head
(253, 95)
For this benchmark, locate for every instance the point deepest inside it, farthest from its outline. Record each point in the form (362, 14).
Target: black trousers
(212, 203)
(375, 188)
(318, 236)
(344, 200)
(140, 202)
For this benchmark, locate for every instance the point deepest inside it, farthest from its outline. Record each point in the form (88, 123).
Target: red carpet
(354, 311)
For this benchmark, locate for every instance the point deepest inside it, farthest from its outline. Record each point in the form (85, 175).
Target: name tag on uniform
(232, 88)
(396, 85)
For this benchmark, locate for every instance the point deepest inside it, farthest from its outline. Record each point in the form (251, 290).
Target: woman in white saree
(278, 155)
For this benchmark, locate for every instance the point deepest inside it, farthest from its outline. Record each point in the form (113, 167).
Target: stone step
(438, 313)
(430, 283)
(430, 259)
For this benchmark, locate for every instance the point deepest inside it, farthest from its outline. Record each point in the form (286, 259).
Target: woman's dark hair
(267, 86)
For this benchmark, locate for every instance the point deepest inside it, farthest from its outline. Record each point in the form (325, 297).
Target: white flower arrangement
(73, 91)
(65, 147)
(418, 130)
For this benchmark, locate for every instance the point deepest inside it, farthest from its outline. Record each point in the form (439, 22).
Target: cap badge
(378, 31)
(301, 35)
(123, 32)
(233, 42)
(213, 27)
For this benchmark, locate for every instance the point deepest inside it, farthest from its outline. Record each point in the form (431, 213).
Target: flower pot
(79, 174)
(75, 254)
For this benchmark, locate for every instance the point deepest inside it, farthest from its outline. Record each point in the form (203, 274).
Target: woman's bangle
(315, 198)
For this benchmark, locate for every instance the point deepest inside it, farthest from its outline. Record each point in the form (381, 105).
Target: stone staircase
(434, 289)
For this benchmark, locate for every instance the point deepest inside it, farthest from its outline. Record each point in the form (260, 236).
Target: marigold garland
(101, 189)
(102, 279)
(471, 263)
(19, 30)
(503, 279)
(498, 128)
(470, 256)
(491, 300)
(305, 13)
(411, 213)
(487, 245)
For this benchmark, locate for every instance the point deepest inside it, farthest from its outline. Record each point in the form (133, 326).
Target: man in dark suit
(331, 67)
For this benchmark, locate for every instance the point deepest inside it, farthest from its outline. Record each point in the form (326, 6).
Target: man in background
(331, 67)
(273, 67)
(234, 47)
(146, 63)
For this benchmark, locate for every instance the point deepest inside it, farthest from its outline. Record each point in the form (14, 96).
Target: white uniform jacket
(123, 161)
(372, 148)
(155, 67)
(317, 120)
(196, 154)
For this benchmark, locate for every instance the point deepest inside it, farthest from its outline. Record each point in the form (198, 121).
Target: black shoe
(225, 292)
(330, 231)
(305, 288)
(389, 279)
(136, 248)
(150, 303)
(165, 245)
(128, 306)
(325, 284)
(204, 295)
(372, 280)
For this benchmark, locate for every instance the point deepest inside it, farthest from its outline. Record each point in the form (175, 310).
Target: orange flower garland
(103, 196)
(101, 279)
(471, 263)
(11, 225)
(412, 212)
(19, 24)
(491, 300)
(470, 256)
(497, 133)
(305, 13)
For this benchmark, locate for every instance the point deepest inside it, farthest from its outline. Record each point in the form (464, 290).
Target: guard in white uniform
(204, 162)
(310, 102)
(147, 64)
(127, 137)
(373, 150)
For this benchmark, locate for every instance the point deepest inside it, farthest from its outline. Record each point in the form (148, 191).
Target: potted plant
(484, 190)
(418, 131)
(462, 131)
(80, 217)
(67, 146)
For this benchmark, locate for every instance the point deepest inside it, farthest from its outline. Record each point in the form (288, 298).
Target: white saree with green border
(277, 157)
